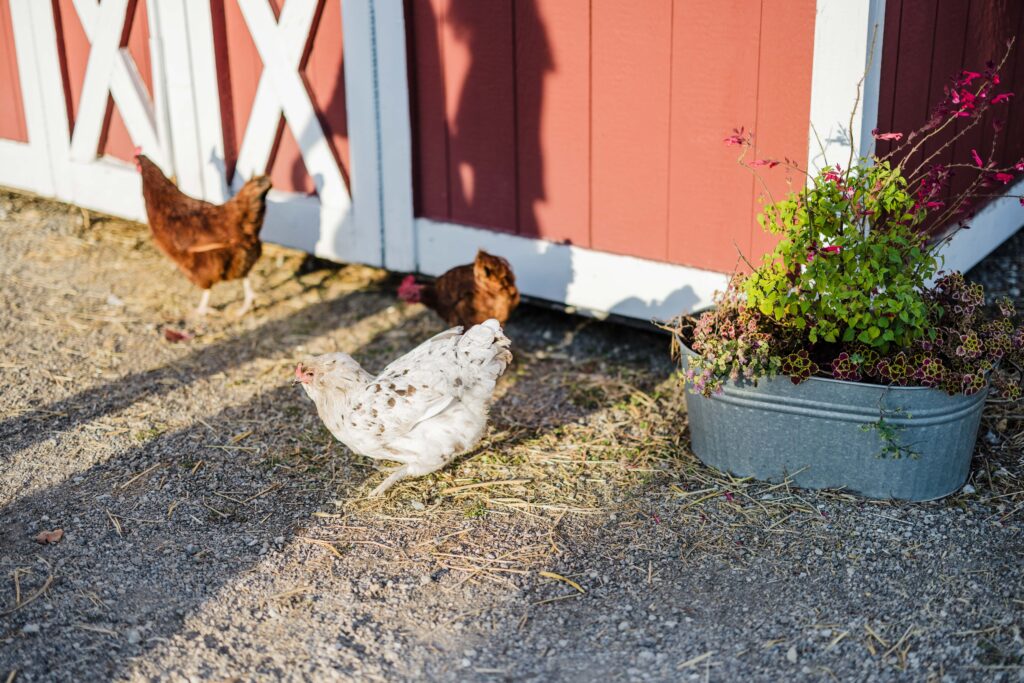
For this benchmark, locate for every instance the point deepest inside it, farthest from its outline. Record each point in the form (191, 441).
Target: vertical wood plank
(986, 35)
(325, 77)
(553, 119)
(913, 68)
(74, 54)
(946, 59)
(890, 62)
(714, 89)
(239, 68)
(1014, 115)
(783, 103)
(425, 30)
(116, 141)
(479, 68)
(630, 127)
(12, 114)
(1007, 22)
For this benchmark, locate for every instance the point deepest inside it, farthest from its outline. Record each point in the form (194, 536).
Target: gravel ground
(214, 531)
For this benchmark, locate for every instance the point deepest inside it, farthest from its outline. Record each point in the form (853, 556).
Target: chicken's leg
(250, 297)
(393, 478)
(204, 304)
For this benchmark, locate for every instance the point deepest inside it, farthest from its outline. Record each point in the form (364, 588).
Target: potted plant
(847, 358)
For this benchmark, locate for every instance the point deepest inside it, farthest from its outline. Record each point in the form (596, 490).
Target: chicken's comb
(408, 290)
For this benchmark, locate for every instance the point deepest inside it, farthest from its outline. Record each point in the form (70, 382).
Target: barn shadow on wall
(483, 136)
(477, 71)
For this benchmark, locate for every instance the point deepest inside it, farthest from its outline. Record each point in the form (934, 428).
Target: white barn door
(171, 107)
(339, 219)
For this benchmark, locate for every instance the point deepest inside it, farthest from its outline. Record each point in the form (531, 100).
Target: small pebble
(31, 629)
(791, 654)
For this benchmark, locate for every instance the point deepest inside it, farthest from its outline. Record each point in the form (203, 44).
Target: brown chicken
(209, 243)
(470, 294)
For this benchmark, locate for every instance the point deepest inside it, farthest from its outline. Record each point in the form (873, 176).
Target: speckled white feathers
(423, 409)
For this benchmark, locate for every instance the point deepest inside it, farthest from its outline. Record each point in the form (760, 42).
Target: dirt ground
(214, 530)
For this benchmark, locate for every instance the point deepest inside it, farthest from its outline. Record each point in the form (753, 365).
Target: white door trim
(587, 281)
(993, 225)
(843, 29)
(26, 165)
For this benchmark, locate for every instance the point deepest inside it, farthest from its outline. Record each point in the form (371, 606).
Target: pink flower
(738, 137)
(977, 158)
(833, 176)
(831, 249)
(1003, 177)
(934, 205)
(1002, 97)
(967, 77)
(770, 163)
(886, 136)
(1021, 200)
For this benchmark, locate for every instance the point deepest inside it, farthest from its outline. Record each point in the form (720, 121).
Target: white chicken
(422, 410)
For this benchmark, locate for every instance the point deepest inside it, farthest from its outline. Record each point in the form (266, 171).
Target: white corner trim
(593, 282)
(873, 77)
(394, 130)
(842, 32)
(993, 225)
(357, 18)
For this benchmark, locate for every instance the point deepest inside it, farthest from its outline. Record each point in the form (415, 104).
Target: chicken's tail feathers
(486, 350)
(252, 201)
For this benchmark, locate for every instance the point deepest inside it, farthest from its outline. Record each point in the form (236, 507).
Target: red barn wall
(929, 42)
(600, 123)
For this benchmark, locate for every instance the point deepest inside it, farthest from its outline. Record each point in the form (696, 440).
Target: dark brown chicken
(470, 294)
(209, 243)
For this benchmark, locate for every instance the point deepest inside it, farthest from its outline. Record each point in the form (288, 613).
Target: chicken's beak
(303, 375)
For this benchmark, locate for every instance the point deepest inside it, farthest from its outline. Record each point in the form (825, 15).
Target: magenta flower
(738, 137)
(832, 249)
(935, 204)
(886, 136)
(967, 77)
(1004, 178)
(1002, 97)
(977, 158)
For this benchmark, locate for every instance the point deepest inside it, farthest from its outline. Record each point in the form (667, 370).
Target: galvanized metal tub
(825, 433)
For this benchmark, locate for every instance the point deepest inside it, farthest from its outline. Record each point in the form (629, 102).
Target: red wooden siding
(704, 102)
(927, 43)
(73, 47)
(239, 68)
(12, 113)
(601, 122)
(631, 56)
